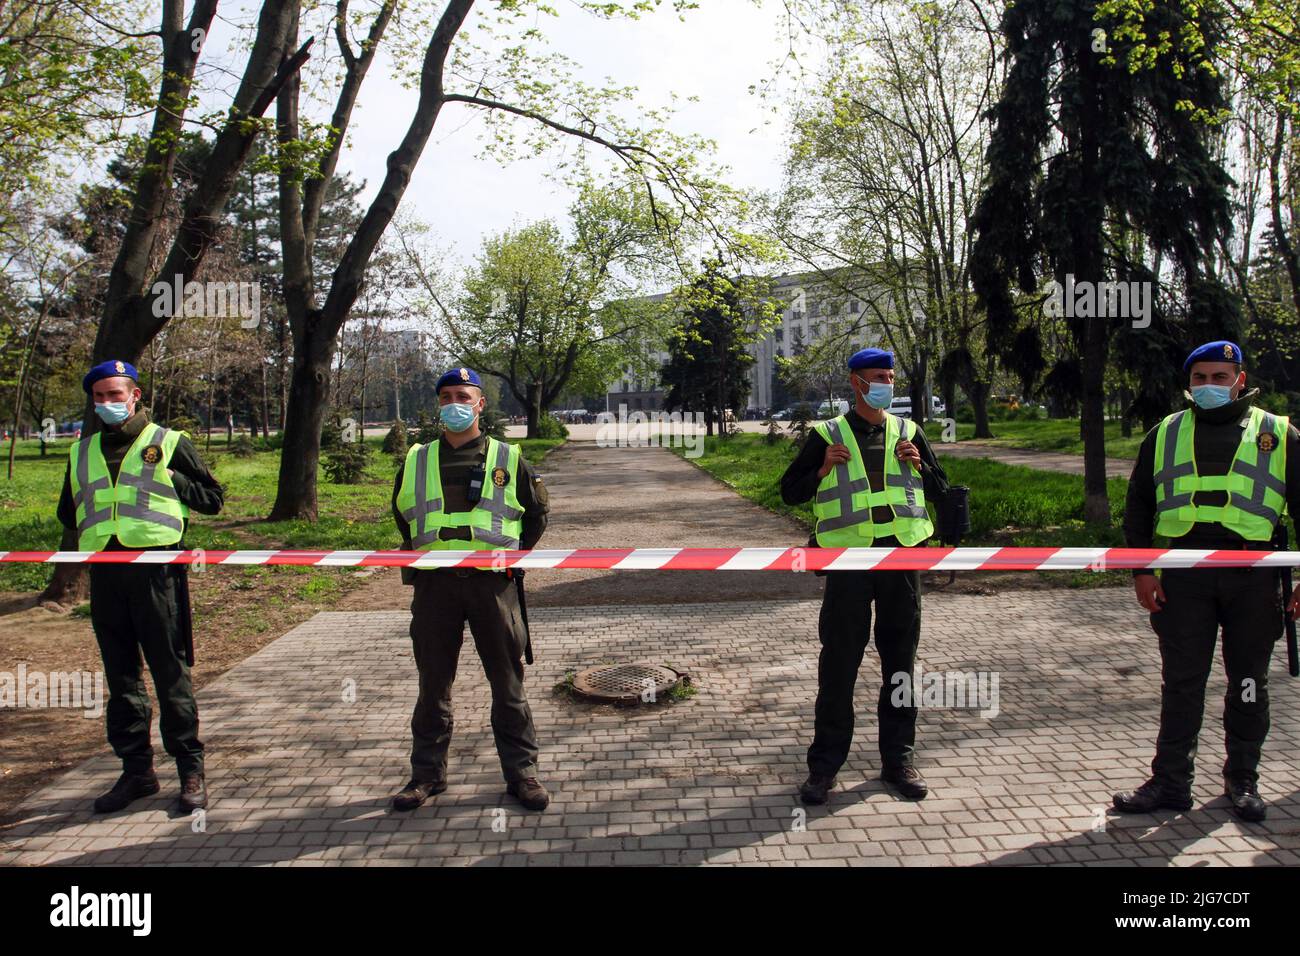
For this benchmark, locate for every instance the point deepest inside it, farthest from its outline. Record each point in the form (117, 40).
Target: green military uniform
(1238, 453)
(115, 498)
(844, 625)
(433, 512)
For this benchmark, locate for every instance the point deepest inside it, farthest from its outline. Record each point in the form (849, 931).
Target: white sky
(715, 54)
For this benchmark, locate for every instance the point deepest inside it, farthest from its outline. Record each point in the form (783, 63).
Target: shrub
(774, 433)
(331, 432)
(548, 426)
(427, 429)
(800, 423)
(345, 463)
(184, 423)
(395, 443)
(492, 423)
(242, 447)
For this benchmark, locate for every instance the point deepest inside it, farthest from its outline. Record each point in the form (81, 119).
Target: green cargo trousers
(444, 600)
(145, 608)
(1245, 603)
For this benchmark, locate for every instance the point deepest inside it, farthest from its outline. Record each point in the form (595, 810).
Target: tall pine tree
(1100, 169)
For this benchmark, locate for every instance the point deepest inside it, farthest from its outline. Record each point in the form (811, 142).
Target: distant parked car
(833, 407)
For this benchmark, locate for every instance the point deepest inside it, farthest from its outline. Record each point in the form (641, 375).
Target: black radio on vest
(475, 490)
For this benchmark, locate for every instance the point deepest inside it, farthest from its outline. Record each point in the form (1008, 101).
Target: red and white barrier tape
(704, 559)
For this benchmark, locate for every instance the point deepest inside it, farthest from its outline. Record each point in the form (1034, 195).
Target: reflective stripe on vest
(142, 508)
(844, 497)
(1255, 482)
(495, 521)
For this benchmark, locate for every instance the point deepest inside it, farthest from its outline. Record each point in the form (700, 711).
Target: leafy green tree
(708, 351)
(547, 313)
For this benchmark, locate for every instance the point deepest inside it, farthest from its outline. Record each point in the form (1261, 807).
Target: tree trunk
(533, 409)
(1088, 265)
(309, 393)
(70, 584)
(979, 399)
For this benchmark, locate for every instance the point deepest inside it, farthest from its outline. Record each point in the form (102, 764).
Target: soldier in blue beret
(469, 491)
(130, 485)
(870, 473)
(1216, 475)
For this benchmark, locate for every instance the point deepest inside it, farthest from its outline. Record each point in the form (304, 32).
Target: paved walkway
(300, 775)
(1032, 458)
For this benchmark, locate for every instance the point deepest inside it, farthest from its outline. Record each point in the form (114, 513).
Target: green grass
(1010, 505)
(1045, 434)
(351, 517)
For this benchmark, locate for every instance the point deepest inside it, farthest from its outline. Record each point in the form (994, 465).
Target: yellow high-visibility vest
(1255, 482)
(845, 499)
(141, 508)
(495, 521)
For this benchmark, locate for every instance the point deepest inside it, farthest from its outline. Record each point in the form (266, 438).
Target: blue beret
(1214, 352)
(459, 376)
(109, 369)
(871, 358)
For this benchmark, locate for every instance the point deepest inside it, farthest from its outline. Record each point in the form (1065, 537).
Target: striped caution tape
(703, 559)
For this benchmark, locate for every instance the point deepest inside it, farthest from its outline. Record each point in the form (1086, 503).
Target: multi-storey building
(813, 307)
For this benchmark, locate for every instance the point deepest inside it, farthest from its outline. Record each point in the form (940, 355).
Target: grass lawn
(351, 516)
(1010, 505)
(1045, 434)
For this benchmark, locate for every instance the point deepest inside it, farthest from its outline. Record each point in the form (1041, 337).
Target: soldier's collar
(479, 439)
(131, 428)
(1232, 412)
(858, 422)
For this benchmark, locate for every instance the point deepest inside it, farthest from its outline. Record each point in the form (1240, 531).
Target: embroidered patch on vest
(152, 454)
(1265, 442)
(499, 477)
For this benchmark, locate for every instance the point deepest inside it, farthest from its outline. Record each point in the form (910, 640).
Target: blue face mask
(879, 394)
(112, 413)
(1211, 396)
(457, 417)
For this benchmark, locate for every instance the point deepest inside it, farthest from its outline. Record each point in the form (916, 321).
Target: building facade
(813, 308)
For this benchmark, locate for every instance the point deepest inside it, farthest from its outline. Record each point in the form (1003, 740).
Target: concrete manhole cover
(626, 683)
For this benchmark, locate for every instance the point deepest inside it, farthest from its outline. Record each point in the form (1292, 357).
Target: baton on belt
(518, 575)
(1292, 653)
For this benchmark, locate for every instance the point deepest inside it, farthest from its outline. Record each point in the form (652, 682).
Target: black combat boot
(1155, 794)
(907, 780)
(816, 789)
(129, 787)
(1246, 802)
(530, 793)
(416, 792)
(194, 792)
